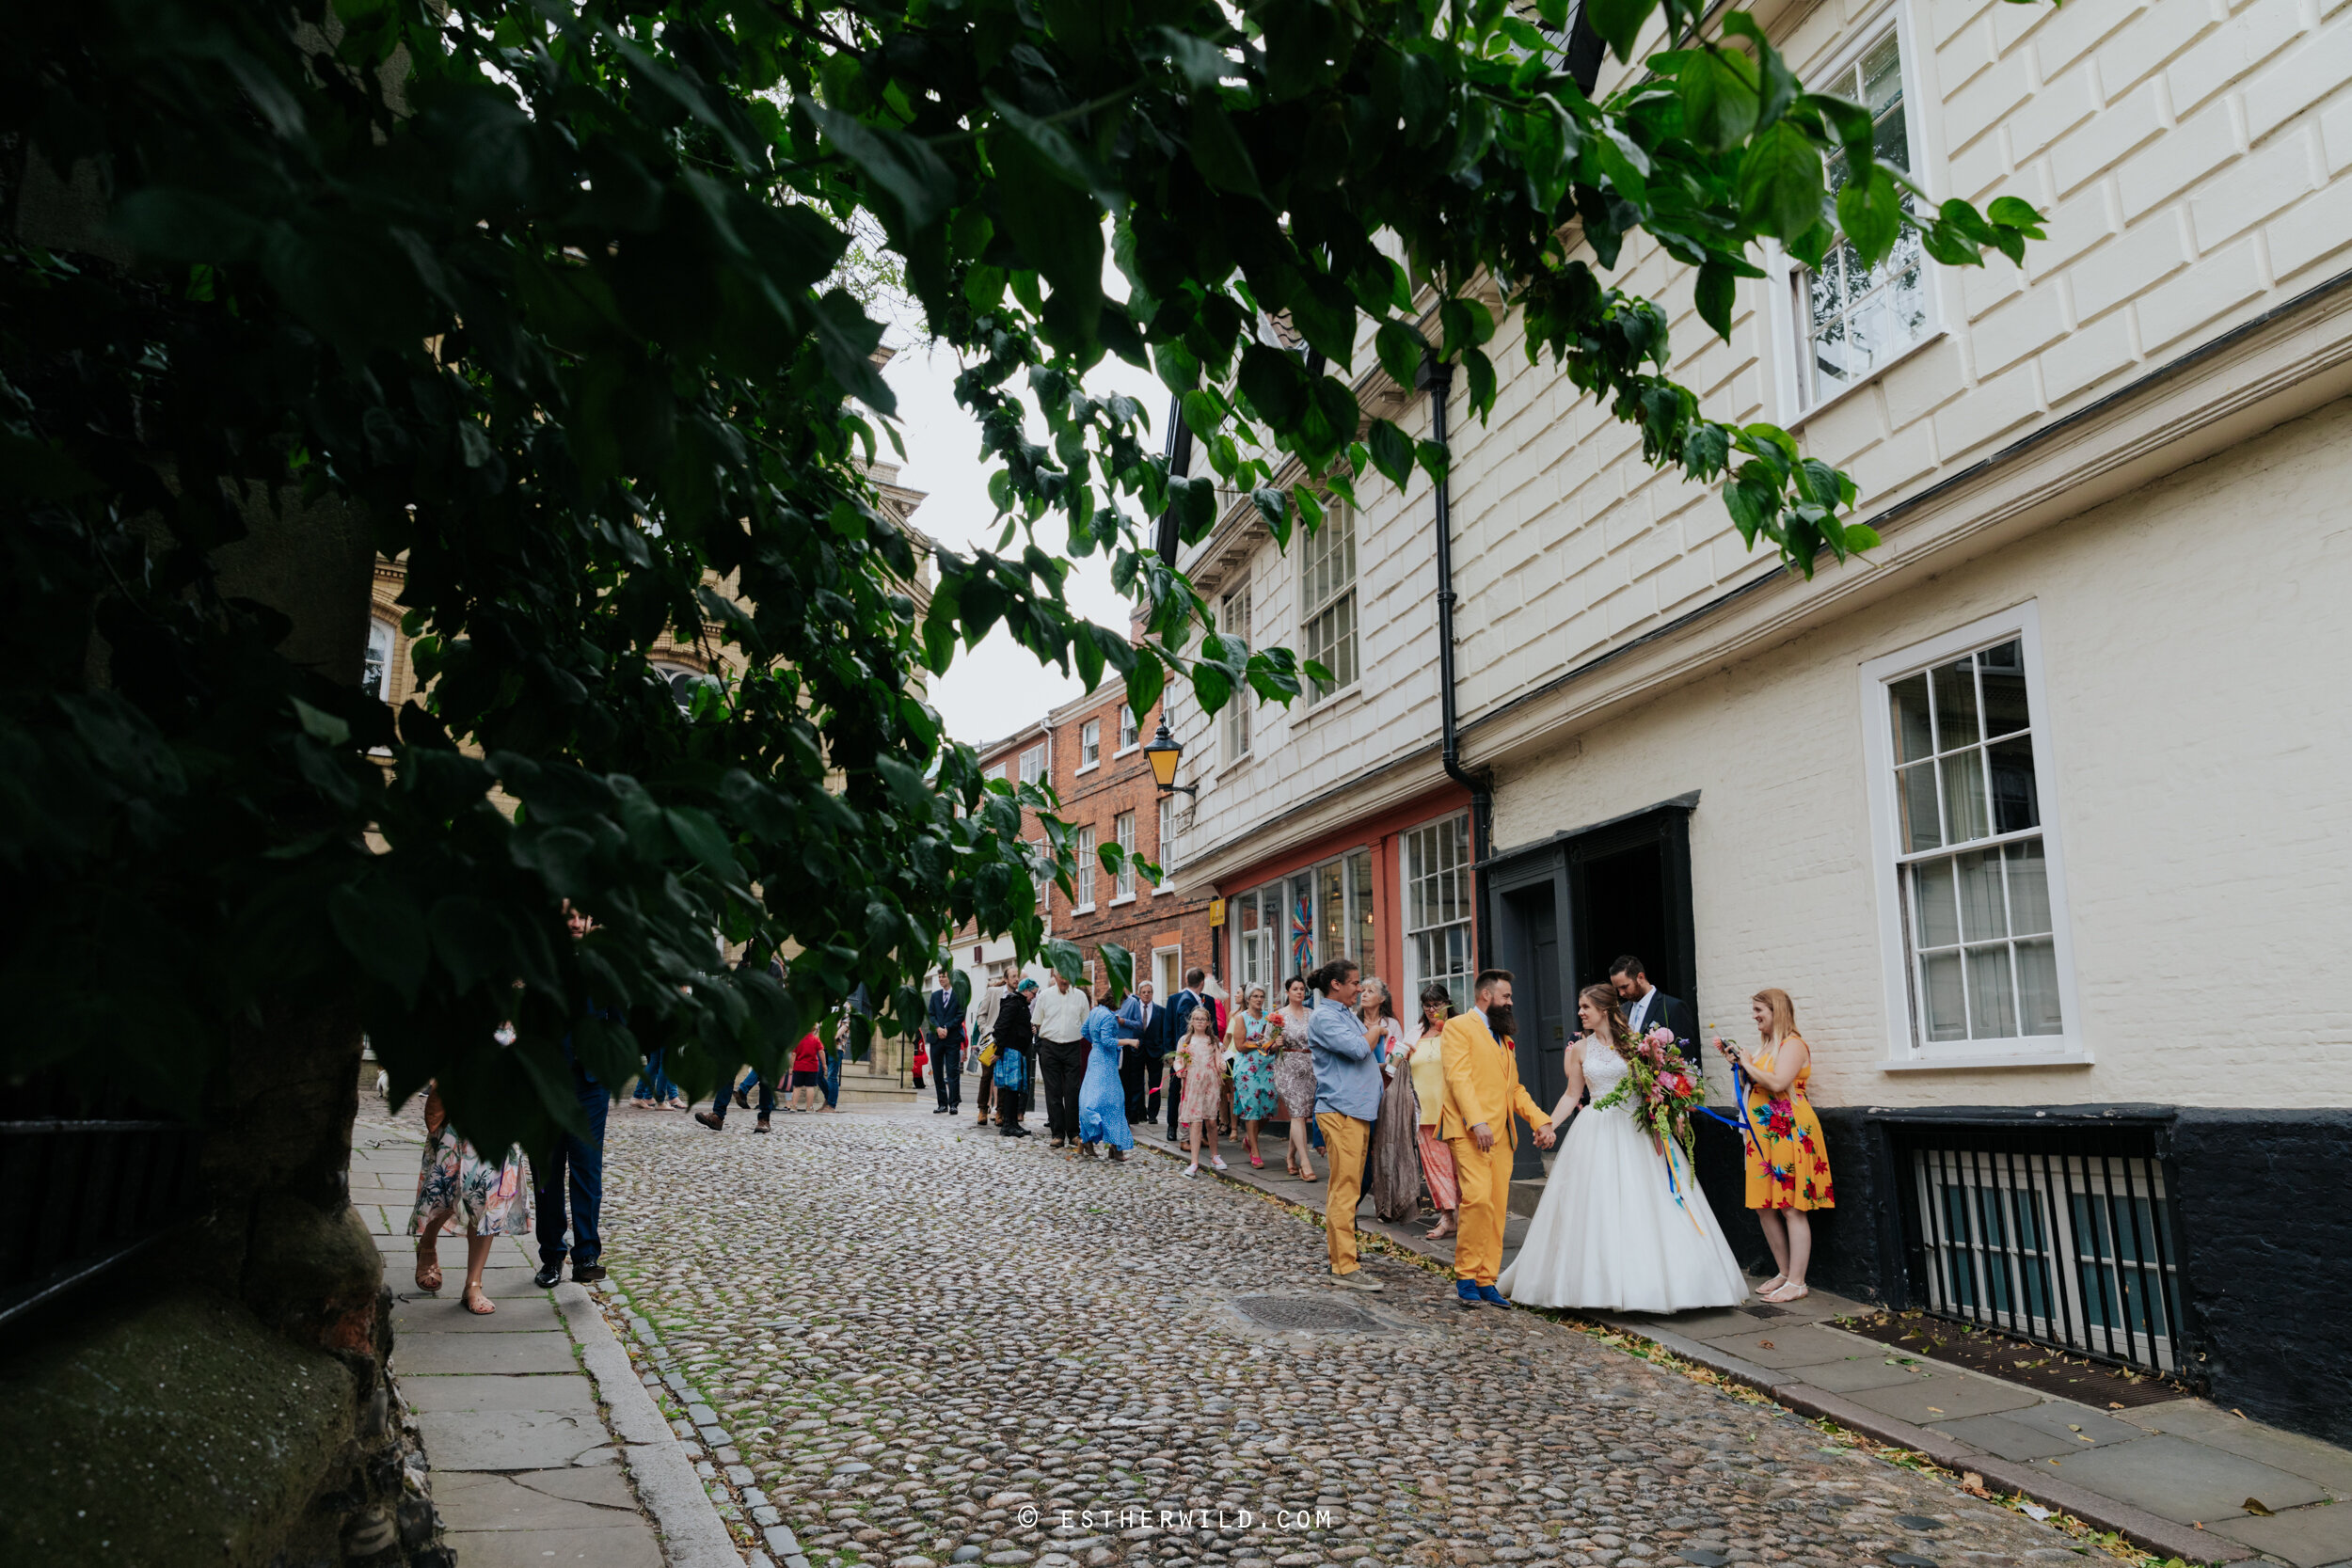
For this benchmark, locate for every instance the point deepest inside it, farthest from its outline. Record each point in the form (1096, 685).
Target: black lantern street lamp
(1162, 754)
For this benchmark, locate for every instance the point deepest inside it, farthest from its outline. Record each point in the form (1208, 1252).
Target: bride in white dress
(1609, 1234)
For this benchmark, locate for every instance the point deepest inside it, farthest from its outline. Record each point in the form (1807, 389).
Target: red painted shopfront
(1392, 892)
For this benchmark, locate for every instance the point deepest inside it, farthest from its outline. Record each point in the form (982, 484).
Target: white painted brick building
(2121, 473)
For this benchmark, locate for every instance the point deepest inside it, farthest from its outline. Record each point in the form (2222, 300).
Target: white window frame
(1090, 746)
(1409, 959)
(1167, 973)
(1791, 343)
(1313, 692)
(1123, 879)
(1905, 1050)
(1129, 731)
(1167, 853)
(384, 630)
(1233, 732)
(1033, 763)
(1088, 869)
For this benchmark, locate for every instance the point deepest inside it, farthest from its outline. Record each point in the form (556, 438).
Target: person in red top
(808, 1072)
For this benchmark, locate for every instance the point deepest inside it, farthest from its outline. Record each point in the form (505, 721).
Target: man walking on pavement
(1180, 1010)
(1482, 1097)
(984, 1030)
(943, 1033)
(578, 1168)
(1146, 1024)
(1348, 1102)
(1060, 1014)
(1015, 1080)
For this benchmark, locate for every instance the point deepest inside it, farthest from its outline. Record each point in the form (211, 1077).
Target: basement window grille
(2063, 1237)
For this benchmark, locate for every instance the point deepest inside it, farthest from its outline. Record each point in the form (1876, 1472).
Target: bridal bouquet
(1661, 1090)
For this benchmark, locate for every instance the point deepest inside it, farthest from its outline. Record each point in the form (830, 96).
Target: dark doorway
(1621, 909)
(1538, 997)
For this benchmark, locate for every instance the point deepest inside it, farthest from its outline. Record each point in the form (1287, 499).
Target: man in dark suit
(1146, 1022)
(1647, 1008)
(1180, 1010)
(943, 1033)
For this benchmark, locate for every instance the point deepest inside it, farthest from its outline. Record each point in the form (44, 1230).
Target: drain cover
(1765, 1311)
(1290, 1312)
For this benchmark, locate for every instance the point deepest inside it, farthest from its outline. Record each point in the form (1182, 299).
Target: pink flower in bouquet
(1676, 1084)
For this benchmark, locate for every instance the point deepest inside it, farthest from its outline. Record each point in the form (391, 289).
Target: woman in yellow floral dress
(1788, 1160)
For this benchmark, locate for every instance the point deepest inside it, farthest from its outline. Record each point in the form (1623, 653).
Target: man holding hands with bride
(1482, 1103)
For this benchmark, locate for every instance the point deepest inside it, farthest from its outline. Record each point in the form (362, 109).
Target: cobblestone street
(927, 1345)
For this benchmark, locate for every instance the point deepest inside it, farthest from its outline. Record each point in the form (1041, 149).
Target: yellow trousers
(1484, 1178)
(1343, 1141)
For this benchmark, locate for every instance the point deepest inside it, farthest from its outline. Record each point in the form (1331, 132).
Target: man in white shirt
(1647, 1008)
(1060, 1011)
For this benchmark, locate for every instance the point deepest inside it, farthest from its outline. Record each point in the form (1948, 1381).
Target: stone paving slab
(2009, 1438)
(514, 1439)
(2307, 1457)
(2185, 1480)
(462, 1392)
(1801, 1345)
(526, 1309)
(595, 1546)
(541, 1499)
(1859, 1372)
(2307, 1537)
(429, 1354)
(1947, 1395)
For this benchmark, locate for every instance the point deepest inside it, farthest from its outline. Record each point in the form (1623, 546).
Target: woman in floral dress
(457, 1186)
(1250, 1043)
(1295, 1075)
(1787, 1162)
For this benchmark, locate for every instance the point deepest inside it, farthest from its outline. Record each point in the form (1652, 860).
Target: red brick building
(1090, 752)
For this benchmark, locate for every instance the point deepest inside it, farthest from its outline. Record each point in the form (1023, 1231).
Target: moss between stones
(179, 1431)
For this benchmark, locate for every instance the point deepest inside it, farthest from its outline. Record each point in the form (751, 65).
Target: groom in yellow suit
(1482, 1103)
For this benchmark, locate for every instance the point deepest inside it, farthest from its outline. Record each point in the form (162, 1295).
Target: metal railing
(92, 1183)
(2065, 1235)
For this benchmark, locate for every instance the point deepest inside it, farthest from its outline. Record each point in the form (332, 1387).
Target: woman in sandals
(1787, 1162)
(1295, 1075)
(457, 1186)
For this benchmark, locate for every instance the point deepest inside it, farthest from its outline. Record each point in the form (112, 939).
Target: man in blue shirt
(1348, 1102)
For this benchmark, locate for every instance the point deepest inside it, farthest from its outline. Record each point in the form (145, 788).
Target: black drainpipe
(1437, 377)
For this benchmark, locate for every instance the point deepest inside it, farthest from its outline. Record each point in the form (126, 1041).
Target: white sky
(995, 688)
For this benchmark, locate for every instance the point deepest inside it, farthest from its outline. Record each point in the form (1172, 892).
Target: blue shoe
(1466, 1293)
(1492, 1297)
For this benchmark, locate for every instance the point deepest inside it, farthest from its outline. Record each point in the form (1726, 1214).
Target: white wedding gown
(1609, 1234)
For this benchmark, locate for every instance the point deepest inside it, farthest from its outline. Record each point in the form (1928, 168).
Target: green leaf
(1870, 210)
(1619, 23)
(1118, 966)
(320, 726)
(1217, 151)
(1719, 96)
(1780, 182)
(1392, 451)
(1717, 291)
(1401, 348)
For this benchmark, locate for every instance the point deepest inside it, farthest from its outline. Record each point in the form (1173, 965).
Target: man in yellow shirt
(1482, 1100)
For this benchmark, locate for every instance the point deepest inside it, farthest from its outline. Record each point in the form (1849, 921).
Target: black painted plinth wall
(2265, 1200)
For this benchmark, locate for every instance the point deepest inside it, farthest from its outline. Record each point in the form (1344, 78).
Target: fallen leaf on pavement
(1973, 1484)
(2255, 1506)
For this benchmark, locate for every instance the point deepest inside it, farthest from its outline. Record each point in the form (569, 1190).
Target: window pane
(1940, 998)
(1966, 815)
(1332, 941)
(1301, 918)
(1882, 78)
(2038, 989)
(2028, 888)
(1914, 793)
(2016, 805)
(1359, 942)
(1984, 913)
(1991, 997)
(1933, 899)
(2002, 673)
(1908, 701)
(1956, 706)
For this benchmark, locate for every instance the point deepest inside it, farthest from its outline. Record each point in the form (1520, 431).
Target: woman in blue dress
(1102, 1097)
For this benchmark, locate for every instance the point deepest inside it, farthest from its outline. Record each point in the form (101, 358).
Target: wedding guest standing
(1788, 1160)
(1149, 1026)
(808, 1072)
(1295, 1075)
(1379, 1015)
(1348, 1102)
(981, 1040)
(1016, 1059)
(1250, 1043)
(943, 1030)
(1102, 1097)
(1484, 1104)
(570, 1195)
(1647, 1008)
(1426, 1066)
(1201, 1061)
(1059, 1013)
(1393, 1167)
(1179, 1008)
